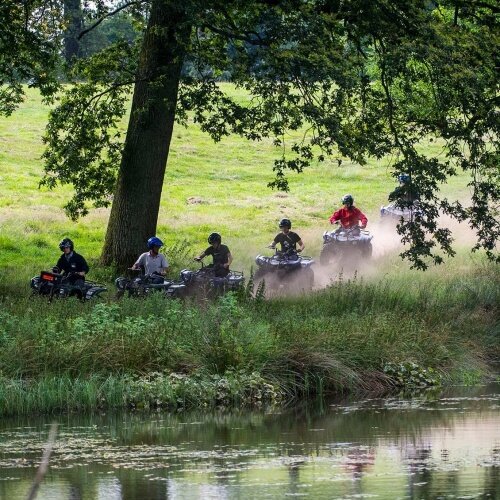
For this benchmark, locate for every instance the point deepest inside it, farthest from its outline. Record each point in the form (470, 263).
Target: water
(445, 446)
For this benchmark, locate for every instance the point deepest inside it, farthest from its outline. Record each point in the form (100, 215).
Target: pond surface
(441, 446)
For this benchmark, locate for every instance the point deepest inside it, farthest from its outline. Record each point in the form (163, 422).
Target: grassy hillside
(207, 187)
(164, 353)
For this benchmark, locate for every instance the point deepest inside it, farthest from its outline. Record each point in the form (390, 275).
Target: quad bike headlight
(260, 260)
(186, 275)
(120, 283)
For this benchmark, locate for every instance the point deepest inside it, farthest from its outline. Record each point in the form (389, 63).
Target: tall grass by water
(159, 352)
(143, 353)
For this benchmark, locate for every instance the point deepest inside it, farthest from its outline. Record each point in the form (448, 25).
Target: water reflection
(446, 446)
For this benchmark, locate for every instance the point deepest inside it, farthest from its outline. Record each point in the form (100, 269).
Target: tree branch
(110, 89)
(109, 14)
(237, 36)
(486, 5)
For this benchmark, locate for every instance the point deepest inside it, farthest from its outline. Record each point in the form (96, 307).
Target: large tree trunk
(74, 19)
(136, 203)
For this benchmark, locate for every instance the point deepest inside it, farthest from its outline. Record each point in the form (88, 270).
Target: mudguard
(393, 212)
(346, 238)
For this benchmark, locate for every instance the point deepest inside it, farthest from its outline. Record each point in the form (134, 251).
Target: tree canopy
(364, 78)
(30, 34)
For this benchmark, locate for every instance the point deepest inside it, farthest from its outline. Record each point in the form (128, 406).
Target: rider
(153, 262)
(220, 253)
(71, 263)
(287, 239)
(406, 192)
(349, 216)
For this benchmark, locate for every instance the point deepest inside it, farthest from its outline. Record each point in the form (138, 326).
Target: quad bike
(283, 267)
(55, 284)
(394, 212)
(204, 280)
(344, 242)
(146, 284)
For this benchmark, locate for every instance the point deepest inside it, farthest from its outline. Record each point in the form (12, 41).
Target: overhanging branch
(109, 14)
(238, 36)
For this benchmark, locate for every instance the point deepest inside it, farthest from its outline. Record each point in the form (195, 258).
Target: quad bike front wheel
(326, 255)
(367, 250)
(259, 274)
(307, 278)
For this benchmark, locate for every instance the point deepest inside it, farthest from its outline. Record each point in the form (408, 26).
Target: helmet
(66, 243)
(404, 178)
(154, 242)
(214, 238)
(285, 223)
(348, 200)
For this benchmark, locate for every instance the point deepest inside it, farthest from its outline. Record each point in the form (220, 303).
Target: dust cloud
(386, 245)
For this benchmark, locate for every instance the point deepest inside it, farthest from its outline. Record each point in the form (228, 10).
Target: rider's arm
(229, 260)
(275, 241)
(363, 219)
(335, 217)
(164, 265)
(84, 266)
(201, 256)
(138, 262)
(61, 263)
(301, 245)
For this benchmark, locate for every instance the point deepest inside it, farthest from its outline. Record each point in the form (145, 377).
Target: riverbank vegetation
(356, 331)
(240, 350)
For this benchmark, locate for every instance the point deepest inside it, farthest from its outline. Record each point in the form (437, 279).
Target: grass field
(207, 187)
(81, 356)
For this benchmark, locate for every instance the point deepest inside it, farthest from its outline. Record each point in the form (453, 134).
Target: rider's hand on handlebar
(362, 226)
(271, 247)
(197, 259)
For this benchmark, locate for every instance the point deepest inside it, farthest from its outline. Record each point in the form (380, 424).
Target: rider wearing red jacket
(349, 216)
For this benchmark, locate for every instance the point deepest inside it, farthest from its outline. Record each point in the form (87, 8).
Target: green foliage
(51, 394)
(120, 27)
(200, 390)
(344, 85)
(157, 352)
(28, 49)
(84, 143)
(251, 295)
(410, 375)
(180, 256)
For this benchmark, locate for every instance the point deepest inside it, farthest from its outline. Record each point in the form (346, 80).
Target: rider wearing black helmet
(220, 253)
(349, 216)
(287, 239)
(71, 262)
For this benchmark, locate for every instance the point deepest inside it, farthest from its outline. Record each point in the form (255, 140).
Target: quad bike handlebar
(290, 251)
